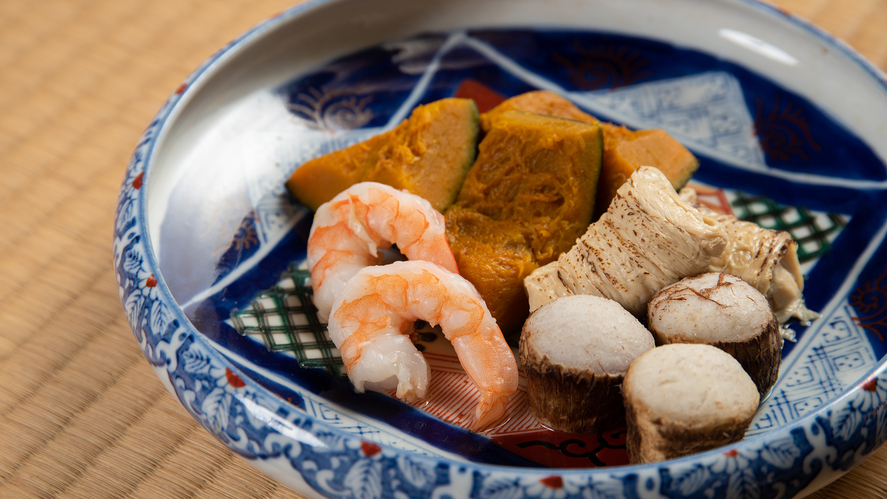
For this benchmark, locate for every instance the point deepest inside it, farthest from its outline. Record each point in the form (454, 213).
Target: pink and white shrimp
(373, 316)
(350, 229)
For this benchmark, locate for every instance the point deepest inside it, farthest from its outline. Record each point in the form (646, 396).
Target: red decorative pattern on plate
(452, 397)
(485, 97)
(712, 197)
(870, 302)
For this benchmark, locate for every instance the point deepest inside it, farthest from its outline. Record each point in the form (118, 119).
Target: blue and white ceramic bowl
(787, 122)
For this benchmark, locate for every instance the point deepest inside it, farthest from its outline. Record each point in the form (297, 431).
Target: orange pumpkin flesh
(527, 198)
(427, 154)
(624, 150)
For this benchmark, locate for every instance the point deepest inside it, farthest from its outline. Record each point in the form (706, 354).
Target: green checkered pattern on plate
(813, 233)
(286, 319)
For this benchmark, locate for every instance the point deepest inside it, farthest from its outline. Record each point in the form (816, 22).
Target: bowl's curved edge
(845, 48)
(316, 458)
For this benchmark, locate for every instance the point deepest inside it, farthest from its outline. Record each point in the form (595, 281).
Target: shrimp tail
(490, 407)
(489, 362)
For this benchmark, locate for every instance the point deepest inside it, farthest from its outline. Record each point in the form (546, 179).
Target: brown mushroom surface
(575, 352)
(724, 311)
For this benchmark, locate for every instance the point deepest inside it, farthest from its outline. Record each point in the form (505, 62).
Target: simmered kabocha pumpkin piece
(527, 198)
(428, 154)
(627, 150)
(495, 256)
(624, 150)
(537, 102)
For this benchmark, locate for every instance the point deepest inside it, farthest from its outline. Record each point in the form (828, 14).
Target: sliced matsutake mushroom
(724, 311)
(575, 352)
(681, 399)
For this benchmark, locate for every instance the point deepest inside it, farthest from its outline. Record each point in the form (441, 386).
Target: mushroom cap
(711, 308)
(694, 385)
(584, 332)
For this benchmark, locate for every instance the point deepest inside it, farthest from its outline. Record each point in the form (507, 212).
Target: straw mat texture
(81, 412)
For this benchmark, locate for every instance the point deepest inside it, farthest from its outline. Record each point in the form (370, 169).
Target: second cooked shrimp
(371, 320)
(350, 229)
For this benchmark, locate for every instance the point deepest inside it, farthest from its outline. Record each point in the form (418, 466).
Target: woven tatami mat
(81, 413)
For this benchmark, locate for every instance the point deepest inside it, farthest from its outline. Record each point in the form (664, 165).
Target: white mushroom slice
(724, 311)
(685, 398)
(575, 352)
(649, 238)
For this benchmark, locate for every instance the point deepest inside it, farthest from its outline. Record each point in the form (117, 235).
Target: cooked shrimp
(371, 320)
(349, 230)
